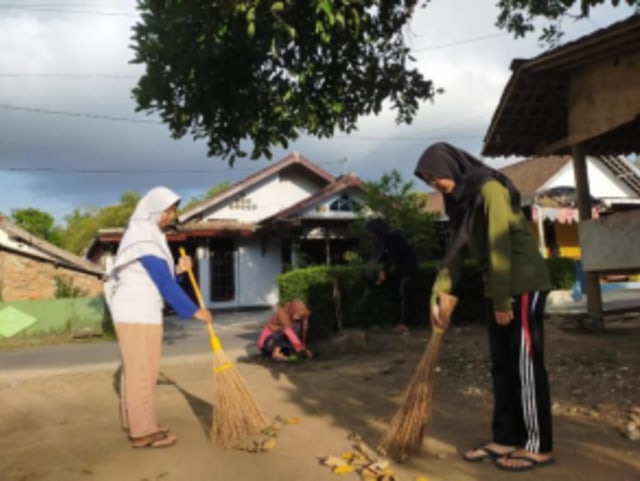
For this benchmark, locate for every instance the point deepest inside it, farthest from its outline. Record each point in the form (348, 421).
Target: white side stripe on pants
(528, 387)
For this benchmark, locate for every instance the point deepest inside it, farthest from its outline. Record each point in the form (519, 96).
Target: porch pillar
(541, 240)
(592, 284)
(294, 250)
(202, 256)
(327, 246)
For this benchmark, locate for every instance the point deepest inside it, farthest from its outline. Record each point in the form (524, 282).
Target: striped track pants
(522, 406)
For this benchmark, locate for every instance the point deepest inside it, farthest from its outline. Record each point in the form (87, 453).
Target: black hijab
(442, 160)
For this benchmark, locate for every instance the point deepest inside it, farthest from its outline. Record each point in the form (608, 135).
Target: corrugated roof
(623, 170)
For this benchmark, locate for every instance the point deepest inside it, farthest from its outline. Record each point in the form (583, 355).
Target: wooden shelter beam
(592, 283)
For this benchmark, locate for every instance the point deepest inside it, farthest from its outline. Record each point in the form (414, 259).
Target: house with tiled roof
(288, 213)
(547, 186)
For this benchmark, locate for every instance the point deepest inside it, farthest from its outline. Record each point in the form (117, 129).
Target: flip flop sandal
(161, 430)
(487, 454)
(158, 440)
(531, 463)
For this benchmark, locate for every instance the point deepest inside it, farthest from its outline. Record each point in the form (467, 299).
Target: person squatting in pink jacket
(285, 333)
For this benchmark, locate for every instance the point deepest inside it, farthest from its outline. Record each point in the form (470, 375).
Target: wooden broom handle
(196, 289)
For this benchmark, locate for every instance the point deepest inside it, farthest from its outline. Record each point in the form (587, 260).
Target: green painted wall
(77, 316)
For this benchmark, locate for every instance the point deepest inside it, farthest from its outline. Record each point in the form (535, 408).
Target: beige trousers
(140, 350)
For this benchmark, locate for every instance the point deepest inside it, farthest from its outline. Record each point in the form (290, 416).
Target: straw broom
(406, 432)
(236, 414)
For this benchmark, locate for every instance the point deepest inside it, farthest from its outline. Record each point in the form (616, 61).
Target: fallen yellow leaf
(268, 444)
(292, 421)
(334, 461)
(345, 469)
(349, 455)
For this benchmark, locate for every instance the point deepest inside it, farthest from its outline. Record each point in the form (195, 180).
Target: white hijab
(143, 236)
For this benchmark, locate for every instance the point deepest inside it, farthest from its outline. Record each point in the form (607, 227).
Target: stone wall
(28, 278)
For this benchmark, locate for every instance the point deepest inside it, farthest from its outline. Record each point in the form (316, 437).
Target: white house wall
(602, 182)
(255, 283)
(269, 196)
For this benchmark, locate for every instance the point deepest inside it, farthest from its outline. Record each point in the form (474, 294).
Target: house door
(222, 270)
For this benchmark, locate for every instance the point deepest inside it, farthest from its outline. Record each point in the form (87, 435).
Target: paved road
(189, 339)
(183, 339)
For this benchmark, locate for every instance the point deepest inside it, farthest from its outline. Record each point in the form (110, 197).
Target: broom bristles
(406, 432)
(236, 414)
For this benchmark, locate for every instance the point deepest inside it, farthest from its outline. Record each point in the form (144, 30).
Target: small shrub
(563, 272)
(347, 297)
(65, 289)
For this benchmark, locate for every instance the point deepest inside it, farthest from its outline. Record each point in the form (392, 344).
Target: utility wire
(76, 9)
(61, 170)
(79, 114)
(69, 75)
(459, 42)
(153, 122)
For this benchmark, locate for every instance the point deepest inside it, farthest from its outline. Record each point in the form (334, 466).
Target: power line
(65, 9)
(68, 75)
(79, 114)
(153, 122)
(62, 170)
(460, 42)
(403, 139)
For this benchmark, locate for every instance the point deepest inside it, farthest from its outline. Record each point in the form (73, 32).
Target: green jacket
(505, 250)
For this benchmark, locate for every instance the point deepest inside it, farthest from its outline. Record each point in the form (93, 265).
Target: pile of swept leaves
(363, 461)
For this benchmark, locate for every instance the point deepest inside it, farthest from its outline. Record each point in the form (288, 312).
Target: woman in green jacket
(485, 214)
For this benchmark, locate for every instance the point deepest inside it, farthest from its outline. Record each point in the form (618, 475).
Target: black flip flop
(532, 463)
(488, 454)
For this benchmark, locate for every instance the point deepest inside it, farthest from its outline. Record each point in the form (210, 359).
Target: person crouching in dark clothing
(399, 265)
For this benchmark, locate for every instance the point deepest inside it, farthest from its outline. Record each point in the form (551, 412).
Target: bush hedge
(345, 296)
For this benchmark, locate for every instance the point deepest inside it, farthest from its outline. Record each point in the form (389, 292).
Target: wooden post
(592, 284)
(327, 246)
(541, 240)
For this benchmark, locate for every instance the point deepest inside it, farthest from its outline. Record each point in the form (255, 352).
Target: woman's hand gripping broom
(236, 414)
(406, 432)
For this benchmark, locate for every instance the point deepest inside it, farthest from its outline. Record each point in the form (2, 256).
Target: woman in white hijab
(142, 278)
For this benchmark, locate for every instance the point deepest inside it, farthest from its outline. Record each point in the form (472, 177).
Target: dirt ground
(66, 427)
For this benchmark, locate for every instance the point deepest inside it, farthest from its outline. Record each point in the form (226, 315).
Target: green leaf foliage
(83, 225)
(260, 72)
(393, 198)
(521, 16)
(38, 223)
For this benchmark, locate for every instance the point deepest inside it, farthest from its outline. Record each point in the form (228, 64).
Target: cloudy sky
(59, 58)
